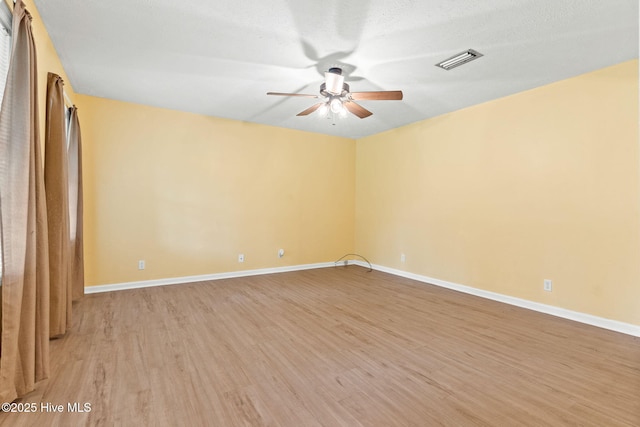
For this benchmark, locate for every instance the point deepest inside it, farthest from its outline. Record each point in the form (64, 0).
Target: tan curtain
(25, 288)
(76, 204)
(56, 182)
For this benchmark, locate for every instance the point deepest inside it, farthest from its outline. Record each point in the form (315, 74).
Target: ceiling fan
(337, 98)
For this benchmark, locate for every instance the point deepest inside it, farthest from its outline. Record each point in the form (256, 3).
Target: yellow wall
(187, 193)
(540, 185)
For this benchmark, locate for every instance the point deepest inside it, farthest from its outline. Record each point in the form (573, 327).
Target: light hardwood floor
(332, 347)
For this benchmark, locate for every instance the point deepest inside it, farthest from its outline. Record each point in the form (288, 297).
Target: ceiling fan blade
(357, 109)
(382, 95)
(292, 94)
(310, 109)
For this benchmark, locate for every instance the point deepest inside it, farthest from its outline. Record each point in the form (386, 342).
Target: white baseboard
(601, 322)
(613, 325)
(205, 277)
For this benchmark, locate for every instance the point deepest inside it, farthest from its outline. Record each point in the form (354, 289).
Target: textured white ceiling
(220, 57)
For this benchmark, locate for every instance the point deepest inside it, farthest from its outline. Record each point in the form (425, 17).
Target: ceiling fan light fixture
(459, 59)
(336, 105)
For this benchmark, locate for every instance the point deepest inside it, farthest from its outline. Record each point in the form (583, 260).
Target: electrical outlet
(240, 257)
(141, 264)
(403, 258)
(548, 285)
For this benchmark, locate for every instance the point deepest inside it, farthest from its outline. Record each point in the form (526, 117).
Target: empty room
(304, 213)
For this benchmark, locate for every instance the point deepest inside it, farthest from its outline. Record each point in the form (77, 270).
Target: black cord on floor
(344, 256)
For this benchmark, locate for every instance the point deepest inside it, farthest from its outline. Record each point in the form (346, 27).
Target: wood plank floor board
(332, 347)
